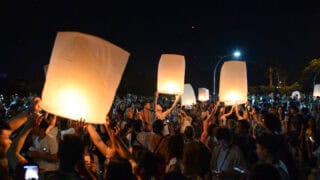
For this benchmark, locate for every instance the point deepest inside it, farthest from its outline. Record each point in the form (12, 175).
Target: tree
(310, 73)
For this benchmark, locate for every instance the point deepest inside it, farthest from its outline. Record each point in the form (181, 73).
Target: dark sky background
(284, 33)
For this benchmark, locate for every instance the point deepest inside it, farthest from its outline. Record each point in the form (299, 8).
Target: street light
(236, 54)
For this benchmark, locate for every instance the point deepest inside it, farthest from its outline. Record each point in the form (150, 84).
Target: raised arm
(230, 112)
(22, 118)
(96, 139)
(237, 112)
(52, 124)
(177, 97)
(20, 140)
(18, 121)
(155, 101)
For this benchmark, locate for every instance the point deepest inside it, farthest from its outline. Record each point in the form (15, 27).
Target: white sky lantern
(203, 94)
(296, 94)
(83, 76)
(316, 90)
(171, 71)
(233, 83)
(188, 97)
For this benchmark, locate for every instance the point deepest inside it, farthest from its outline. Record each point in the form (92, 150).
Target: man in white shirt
(226, 157)
(45, 149)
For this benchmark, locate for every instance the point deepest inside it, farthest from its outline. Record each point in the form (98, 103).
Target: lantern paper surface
(171, 74)
(316, 90)
(203, 94)
(296, 94)
(83, 76)
(188, 98)
(233, 83)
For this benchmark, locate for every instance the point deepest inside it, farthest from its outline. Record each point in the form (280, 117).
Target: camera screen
(31, 172)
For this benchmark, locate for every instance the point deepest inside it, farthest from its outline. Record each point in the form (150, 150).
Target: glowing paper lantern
(83, 75)
(233, 83)
(171, 70)
(188, 98)
(316, 90)
(203, 94)
(296, 94)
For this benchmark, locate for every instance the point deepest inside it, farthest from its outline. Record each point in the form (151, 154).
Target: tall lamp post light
(236, 54)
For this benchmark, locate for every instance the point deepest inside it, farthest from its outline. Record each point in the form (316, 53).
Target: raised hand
(79, 126)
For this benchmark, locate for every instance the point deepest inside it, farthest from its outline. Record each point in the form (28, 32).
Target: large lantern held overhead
(188, 98)
(171, 71)
(233, 83)
(203, 94)
(316, 90)
(83, 75)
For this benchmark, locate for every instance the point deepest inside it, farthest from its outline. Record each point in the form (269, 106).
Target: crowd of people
(269, 137)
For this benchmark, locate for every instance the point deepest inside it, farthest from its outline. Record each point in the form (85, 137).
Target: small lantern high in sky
(171, 71)
(83, 76)
(188, 98)
(203, 94)
(316, 90)
(233, 83)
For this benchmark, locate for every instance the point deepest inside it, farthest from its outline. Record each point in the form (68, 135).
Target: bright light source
(237, 54)
(233, 83)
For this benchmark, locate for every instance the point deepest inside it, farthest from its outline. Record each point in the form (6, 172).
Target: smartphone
(31, 172)
(311, 139)
(239, 170)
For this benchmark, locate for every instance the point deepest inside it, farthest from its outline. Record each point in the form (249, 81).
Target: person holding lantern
(159, 113)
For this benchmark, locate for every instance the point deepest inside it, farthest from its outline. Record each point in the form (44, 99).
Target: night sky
(282, 33)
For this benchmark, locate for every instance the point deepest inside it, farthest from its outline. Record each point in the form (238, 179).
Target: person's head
(189, 133)
(146, 162)
(266, 147)
(256, 110)
(5, 141)
(264, 172)
(119, 169)
(136, 125)
(272, 122)
(242, 128)
(280, 110)
(196, 158)
(110, 151)
(129, 113)
(158, 109)
(305, 110)
(71, 151)
(41, 129)
(272, 110)
(175, 146)
(158, 127)
(224, 136)
(293, 109)
(36, 104)
(147, 106)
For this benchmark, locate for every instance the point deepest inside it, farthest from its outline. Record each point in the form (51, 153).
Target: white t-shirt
(48, 145)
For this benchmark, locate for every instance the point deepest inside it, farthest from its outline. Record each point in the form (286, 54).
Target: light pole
(236, 54)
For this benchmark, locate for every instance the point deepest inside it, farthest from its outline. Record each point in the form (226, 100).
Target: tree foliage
(313, 66)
